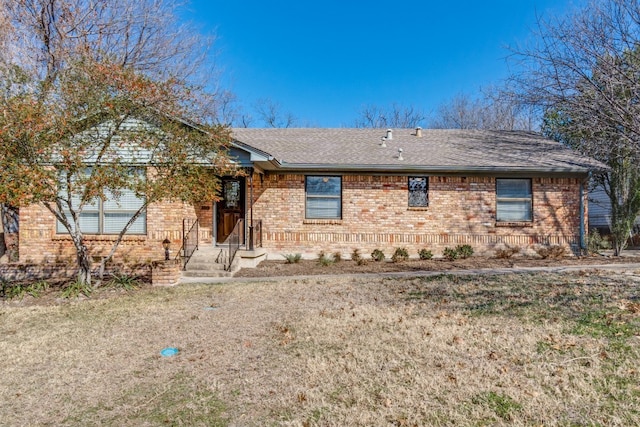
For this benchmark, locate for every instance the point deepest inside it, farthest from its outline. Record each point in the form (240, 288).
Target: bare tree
(584, 72)
(495, 109)
(271, 114)
(393, 116)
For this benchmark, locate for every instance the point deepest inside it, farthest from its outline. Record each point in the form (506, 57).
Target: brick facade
(39, 241)
(375, 214)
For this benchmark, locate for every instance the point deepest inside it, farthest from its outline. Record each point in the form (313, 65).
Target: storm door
(231, 208)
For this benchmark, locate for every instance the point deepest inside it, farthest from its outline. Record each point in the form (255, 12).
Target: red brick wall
(39, 241)
(375, 214)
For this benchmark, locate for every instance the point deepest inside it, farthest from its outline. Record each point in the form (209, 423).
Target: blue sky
(324, 60)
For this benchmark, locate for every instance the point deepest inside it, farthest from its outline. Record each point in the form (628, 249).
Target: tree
(584, 72)
(101, 104)
(271, 114)
(494, 110)
(393, 116)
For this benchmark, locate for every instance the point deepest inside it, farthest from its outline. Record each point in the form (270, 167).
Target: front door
(231, 208)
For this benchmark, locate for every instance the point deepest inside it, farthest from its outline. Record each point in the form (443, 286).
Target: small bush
(74, 289)
(507, 252)
(355, 255)
(324, 260)
(292, 258)
(377, 255)
(337, 256)
(401, 254)
(361, 261)
(551, 251)
(465, 251)
(19, 291)
(425, 254)
(596, 243)
(123, 281)
(450, 254)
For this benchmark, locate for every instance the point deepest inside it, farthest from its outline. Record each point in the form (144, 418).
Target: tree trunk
(84, 264)
(10, 225)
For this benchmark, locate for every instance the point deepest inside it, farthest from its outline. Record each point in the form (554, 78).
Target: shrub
(124, 281)
(324, 260)
(74, 289)
(507, 252)
(19, 290)
(401, 254)
(465, 251)
(292, 258)
(361, 261)
(425, 254)
(337, 256)
(377, 255)
(450, 254)
(596, 242)
(355, 255)
(551, 251)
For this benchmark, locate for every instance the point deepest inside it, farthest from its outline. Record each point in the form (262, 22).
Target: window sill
(103, 237)
(514, 223)
(418, 208)
(323, 221)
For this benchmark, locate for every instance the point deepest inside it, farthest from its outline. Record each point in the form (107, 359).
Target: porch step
(203, 263)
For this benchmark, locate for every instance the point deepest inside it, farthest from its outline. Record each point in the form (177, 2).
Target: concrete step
(203, 273)
(204, 265)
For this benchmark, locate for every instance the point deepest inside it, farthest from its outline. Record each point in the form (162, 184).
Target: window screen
(324, 197)
(513, 200)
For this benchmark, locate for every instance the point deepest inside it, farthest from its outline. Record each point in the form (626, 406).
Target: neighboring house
(311, 190)
(600, 211)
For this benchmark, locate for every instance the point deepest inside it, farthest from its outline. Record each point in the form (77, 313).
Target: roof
(437, 150)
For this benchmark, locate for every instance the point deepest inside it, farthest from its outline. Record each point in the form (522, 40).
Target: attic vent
(389, 134)
(400, 154)
(419, 132)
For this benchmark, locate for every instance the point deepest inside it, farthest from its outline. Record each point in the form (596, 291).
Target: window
(418, 191)
(513, 200)
(323, 197)
(109, 216)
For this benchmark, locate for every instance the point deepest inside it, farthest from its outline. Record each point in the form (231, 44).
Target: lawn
(518, 349)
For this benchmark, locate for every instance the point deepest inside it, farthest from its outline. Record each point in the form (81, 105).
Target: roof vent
(384, 141)
(389, 134)
(419, 132)
(400, 154)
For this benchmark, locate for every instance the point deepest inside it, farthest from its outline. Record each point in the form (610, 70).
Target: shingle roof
(437, 150)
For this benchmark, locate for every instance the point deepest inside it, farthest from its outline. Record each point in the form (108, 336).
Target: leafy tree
(100, 103)
(584, 72)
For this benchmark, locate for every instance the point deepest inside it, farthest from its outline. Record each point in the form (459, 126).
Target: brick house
(313, 189)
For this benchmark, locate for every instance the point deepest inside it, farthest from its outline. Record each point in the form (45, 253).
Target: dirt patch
(314, 267)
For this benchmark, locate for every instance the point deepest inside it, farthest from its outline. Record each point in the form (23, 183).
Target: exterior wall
(375, 214)
(39, 241)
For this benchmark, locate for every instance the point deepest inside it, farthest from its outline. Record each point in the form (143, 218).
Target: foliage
(377, 255)
(450, 254)
(425, 254)
(292, 258)
(355, 255)
(595, 242)
(400, 254)
(465, 251)
(550, 251)
(20, 290)
(82, 110)
(124, 281)
(76, 288)
(324, 260)
(507, 252)
(337, 256)
(583, 74)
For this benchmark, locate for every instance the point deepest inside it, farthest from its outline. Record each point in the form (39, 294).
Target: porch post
(250, 209)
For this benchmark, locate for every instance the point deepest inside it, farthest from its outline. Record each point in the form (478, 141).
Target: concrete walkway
(630, 268)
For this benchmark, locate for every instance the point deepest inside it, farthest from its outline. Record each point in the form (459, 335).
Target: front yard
(517, 349)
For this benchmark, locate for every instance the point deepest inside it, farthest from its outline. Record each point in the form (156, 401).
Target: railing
(255, 235)
(190, 233)
(235, 239)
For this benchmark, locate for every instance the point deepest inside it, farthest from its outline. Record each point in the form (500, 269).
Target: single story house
(314, 189)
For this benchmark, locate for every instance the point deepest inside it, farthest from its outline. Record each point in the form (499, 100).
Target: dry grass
(543, 349)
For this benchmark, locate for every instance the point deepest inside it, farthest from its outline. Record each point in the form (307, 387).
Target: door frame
(218, 205)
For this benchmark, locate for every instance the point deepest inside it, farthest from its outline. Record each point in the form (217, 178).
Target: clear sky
(324, 60)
